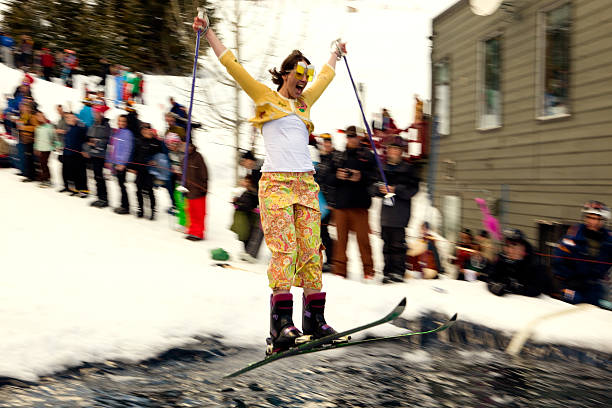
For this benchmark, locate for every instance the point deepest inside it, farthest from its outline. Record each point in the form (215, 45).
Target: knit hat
(248, 155)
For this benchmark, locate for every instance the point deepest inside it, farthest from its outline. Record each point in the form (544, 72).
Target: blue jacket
(574, 245)
(122, 142)
(86, 116)
(7, 41)
(74, 139)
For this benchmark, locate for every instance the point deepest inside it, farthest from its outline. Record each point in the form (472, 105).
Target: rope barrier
(373, 232)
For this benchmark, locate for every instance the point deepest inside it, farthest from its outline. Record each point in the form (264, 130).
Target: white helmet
(596, 208)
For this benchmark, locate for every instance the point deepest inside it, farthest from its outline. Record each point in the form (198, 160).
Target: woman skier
(288, 193)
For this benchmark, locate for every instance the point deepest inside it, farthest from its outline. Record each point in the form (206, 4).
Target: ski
(324, 347)
(303, 348)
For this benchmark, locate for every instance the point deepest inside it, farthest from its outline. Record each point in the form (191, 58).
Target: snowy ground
(79, 284)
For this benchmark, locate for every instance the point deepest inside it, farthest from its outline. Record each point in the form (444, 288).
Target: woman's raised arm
(252, 87)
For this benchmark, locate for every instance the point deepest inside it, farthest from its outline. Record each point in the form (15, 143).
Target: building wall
(550, 167)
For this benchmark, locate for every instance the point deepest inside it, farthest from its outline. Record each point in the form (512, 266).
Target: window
(490, 100)
(442, 96)
(555, 62)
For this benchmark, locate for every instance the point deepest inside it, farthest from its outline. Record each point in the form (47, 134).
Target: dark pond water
(394, 374)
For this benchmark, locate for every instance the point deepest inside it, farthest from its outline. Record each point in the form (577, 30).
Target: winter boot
(283, 333)
(313, 319)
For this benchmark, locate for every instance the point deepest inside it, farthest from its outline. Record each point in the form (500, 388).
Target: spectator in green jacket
(44, 138)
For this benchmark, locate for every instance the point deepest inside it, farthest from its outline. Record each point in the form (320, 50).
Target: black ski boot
(313, 318)
(283, 333)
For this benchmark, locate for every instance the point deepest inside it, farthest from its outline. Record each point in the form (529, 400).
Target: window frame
(480, 83)
(540, 84)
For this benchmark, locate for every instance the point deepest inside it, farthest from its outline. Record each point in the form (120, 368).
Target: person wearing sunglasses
(288, 193)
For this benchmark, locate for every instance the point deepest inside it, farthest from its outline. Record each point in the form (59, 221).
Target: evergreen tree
(140, 34)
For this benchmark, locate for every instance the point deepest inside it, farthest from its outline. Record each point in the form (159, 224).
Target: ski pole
(182, 187)
(389, 194)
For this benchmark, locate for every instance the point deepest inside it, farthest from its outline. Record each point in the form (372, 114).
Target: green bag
(219, 254)
(180, 201)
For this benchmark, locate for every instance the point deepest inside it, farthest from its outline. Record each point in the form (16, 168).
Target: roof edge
(459, 4)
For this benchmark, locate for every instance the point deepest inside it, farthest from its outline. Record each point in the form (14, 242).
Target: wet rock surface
(392, 374)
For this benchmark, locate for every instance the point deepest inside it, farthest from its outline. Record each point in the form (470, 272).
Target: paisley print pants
(291, 221)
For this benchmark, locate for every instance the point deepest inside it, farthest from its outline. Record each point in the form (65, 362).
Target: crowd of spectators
(349, 179)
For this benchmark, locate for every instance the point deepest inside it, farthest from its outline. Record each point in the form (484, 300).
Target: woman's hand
(338, 49)
(200, 22)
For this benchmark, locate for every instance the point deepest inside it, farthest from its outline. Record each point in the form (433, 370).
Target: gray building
(523, 100)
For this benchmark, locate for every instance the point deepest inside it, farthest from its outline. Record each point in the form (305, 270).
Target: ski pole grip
(203, 16)
(336, 48)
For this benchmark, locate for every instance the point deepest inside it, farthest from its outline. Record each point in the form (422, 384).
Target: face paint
(302, 69)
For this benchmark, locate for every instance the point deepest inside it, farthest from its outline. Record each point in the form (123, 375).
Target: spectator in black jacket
(99, 136)
(246, 219)
(133, 123)
(325, 177)
(105, 70)
(517, 270)
(582, 259)
(395, 211)
(145, 148)
(74, 163)
(353, 171)
(252, 165)
(180, 112)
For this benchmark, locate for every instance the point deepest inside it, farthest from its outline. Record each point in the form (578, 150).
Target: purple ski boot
(313, 318)
(283, 333)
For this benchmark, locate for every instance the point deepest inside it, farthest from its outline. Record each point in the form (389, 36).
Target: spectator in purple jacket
(119, 154)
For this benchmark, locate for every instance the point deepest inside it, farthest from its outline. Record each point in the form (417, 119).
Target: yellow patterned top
(271, 105)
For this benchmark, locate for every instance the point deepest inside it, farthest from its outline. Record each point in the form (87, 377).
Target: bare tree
(234, 15)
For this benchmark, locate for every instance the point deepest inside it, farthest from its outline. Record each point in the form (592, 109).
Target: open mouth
(300, 87)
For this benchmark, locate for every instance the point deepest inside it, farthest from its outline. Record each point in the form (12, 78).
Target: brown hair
(288, 64)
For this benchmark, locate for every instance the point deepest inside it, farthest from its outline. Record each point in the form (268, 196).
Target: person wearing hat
(47, 62)
(98, 138)
(26, 124)
(353, 175)
(253, 166)
(395, 212)
(196, 182)
(517, 270)
(173, 135)
(86, 114)
(69, 64)
(288, 193)
(581, 262)
(74, 157)
(180, 113)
